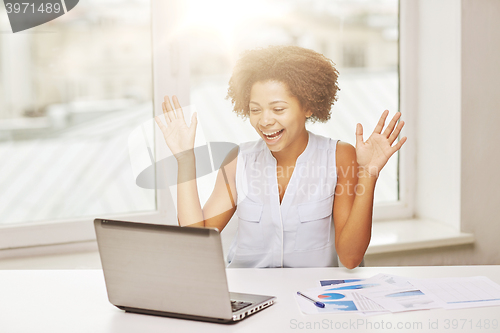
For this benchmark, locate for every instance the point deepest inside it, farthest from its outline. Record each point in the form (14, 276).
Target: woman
(289, 186)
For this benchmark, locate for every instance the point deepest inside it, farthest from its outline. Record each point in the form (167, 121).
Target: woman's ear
(309, 114)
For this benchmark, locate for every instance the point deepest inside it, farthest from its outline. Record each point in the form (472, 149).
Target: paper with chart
(398, 294)
(461, 292)
(330, 282)
(339, 298)
(384, 293)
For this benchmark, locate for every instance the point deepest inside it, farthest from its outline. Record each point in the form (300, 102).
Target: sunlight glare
(222, 16)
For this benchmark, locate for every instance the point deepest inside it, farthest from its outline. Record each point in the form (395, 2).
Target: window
(71, 90)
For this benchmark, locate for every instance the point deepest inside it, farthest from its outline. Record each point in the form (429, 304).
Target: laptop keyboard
(238, 305)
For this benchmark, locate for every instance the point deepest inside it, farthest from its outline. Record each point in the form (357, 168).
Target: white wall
(480, 190)
(457, 129)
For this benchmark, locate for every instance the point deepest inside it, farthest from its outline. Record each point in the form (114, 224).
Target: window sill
(416, 234)
(387, 237)
(48, 250)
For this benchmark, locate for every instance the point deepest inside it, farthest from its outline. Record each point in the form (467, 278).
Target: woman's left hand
(374, 153)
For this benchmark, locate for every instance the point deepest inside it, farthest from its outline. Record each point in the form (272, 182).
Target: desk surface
(76, 301)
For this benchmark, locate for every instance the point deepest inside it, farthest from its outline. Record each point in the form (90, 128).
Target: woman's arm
(180, 139)
(221, 204)
(219, 207)
(357, 174)
(352, 208)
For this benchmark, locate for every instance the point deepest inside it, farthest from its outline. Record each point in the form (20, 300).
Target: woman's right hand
(178, 136)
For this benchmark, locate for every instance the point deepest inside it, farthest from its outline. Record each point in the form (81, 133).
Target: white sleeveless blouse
(300, 231)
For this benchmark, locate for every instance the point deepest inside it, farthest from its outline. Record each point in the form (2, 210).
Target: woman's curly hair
(310, 76)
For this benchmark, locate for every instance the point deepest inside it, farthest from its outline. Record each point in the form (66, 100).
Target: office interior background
(73, 92)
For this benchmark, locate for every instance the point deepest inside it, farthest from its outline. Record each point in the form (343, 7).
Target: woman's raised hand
(374, 153)
(178, 136)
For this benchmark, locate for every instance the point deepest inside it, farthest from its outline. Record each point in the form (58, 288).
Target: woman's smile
(273, 137)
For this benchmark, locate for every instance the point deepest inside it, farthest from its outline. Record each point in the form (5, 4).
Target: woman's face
(277, 116)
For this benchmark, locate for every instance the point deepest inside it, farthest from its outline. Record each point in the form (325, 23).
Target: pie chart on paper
(328, 296)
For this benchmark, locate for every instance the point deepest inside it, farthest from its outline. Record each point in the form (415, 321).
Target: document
(339, 298)
(461, 292)
(332, 282)
(398, 294)
(384, 293)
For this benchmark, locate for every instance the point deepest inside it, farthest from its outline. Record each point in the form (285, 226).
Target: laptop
(170, 271)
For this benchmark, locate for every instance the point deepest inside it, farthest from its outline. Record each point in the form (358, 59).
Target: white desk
(60, 301)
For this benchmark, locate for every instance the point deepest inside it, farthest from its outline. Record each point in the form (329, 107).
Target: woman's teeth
(273, 135)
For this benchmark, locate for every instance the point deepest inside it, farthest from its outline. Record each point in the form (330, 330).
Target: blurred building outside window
(71, 90)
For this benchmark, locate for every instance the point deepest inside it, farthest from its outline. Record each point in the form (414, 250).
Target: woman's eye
(254, 110)
(278, 109)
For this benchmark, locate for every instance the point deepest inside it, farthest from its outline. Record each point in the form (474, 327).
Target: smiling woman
(280, 223)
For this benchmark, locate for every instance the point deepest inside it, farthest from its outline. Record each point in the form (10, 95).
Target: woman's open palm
(178, 136)
(374, 153)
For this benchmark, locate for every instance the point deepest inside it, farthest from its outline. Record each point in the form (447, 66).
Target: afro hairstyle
(310, 76)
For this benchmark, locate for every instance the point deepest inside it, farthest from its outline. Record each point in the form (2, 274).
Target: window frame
(404, 208)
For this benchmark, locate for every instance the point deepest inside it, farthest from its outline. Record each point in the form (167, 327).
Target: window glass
(360, 36)
(71, 91)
